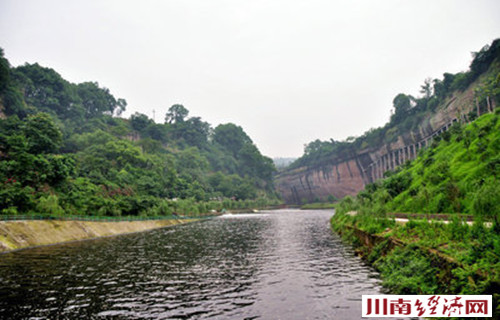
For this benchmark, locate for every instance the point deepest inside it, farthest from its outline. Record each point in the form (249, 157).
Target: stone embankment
(16, 235)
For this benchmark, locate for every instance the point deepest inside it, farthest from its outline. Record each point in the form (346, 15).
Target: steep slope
(458, 173)
(346, 167)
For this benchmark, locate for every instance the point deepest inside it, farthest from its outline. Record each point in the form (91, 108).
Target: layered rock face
(349, 176)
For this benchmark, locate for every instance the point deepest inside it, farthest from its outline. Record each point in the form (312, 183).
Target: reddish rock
(349, 176)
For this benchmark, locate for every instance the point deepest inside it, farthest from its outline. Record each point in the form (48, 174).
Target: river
(284, 264)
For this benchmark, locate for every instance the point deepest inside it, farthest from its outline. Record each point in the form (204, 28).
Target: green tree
(426, 88)
(42, 134)
(318, 146)
(402, 105)
(97, 101)
(231, 137)
(47, 91)
(176, 113)
(193, 132)
(156, 131)
(10, 95)
(140, 121)
(4, 72)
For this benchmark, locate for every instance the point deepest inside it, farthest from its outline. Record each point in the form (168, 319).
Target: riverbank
(15, 235)
(318, 206)
(426, 257)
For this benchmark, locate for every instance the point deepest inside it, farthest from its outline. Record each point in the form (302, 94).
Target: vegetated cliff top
(409, 112)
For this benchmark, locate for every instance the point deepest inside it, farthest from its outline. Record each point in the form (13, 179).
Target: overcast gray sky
(287, 71)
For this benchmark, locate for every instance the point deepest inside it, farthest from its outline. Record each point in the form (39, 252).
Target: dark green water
(275, 265)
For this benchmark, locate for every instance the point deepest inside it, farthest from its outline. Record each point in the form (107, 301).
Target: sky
(287, 71)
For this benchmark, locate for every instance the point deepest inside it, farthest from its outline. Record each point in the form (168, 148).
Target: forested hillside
(64, 150)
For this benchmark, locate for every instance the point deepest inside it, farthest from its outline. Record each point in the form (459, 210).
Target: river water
(284, 264)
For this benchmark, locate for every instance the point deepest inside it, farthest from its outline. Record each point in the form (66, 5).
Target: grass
(431, 257)
(459, 174)
(318, 205)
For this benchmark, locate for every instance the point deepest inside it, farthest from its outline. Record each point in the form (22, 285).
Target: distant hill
(282, 163)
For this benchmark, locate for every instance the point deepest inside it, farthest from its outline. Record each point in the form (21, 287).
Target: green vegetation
(318, 205)
(458, 173)
(409, 113)
(427, 257)
(65, 151)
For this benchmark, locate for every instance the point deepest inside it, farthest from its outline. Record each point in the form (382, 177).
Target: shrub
(407, 271)
(12, 194)
(49, 205)
(486, 200)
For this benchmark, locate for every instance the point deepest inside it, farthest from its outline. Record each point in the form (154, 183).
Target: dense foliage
(430, 257)
(63, 150)
(458, 173)
(409, 112)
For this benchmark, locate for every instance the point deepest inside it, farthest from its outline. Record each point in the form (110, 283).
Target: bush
(486, 200)
(13, 194)
(49, 205)
(398, 183)
(407, 271)
(11, 211)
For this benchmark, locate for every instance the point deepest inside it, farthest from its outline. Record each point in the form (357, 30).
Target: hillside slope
(458, 173)
(336, 169)
(64, 150)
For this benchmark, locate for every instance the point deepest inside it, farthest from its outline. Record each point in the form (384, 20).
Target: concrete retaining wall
(23, 234)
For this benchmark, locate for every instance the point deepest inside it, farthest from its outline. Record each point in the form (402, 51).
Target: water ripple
(277, 265)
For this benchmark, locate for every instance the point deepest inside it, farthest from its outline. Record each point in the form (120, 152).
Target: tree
(402, 104)
(4, 72)
(156, 131)
(231, 137)
(426, 88)
(176, 114)
(47, 91)
(319, 147)
(140, 121)
(483, 59)
(194, 131)
(42, 133)
(10, 95)
(97, 101)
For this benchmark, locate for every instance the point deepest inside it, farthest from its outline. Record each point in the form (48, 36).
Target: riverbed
(284, 264)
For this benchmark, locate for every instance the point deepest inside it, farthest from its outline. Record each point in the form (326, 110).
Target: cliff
(349, 175)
